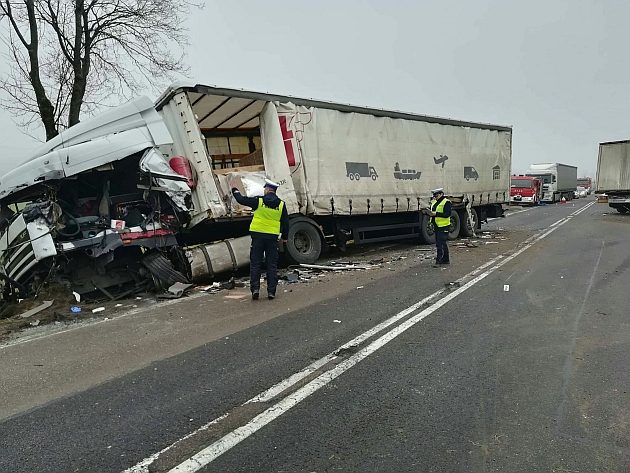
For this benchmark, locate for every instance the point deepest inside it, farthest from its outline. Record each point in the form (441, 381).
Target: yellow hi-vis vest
(441, 221)
(266, 219)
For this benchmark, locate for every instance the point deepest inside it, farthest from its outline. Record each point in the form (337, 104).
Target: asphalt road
(520, 366)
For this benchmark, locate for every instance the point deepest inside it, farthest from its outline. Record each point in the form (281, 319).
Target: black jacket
(270, 200)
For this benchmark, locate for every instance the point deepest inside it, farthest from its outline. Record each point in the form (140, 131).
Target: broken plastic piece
(98, 309)
(35, 310)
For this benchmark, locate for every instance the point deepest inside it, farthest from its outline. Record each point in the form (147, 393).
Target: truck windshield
(546, 178)
(522, 183)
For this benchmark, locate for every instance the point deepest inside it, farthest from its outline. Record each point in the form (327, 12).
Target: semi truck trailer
(613, 174)
(143, 191)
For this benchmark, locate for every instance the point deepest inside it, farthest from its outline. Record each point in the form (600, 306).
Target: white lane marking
(213, 451)
(276, 389)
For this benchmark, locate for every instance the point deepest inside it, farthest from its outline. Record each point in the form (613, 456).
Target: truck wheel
(374, 176)
(304, 245)
(466, 227)
(454, 227)
(162, 270)
(427, 232)
(351, 176)
(622, 210)
(357, 176)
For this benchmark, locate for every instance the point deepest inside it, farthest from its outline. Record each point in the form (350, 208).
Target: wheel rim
(302, 242)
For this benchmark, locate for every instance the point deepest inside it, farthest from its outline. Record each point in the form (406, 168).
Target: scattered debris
(98, 309)
(506, 287)
(337, 321)
(293, 277)
(36, 310)
(467, 244)
(77, 296)
(75, 309)
(175, 291)
(34, 323)
(359, 287)
(335, 268)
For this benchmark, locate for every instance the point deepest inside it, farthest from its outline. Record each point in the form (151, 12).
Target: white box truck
(559, 180)
(104, 196)
(613, 174)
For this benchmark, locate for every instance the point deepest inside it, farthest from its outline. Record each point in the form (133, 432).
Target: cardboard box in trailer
(559, 180)
(346, 172)
(139, 196)
(613, 174)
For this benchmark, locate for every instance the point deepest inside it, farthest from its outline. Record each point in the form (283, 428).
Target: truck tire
(304, 244)
(466, 228)
(162, 270)
(427, 232)
(455, 226)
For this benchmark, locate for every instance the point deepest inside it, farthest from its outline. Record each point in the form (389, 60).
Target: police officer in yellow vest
(270, 221)
(441, 213)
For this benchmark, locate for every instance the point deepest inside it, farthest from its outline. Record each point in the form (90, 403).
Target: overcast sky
(555, 70)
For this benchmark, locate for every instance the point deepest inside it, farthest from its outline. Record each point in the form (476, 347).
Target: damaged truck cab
(92, 206)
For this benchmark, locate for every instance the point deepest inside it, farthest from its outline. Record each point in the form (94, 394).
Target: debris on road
(36, 310)
(336, 268)
(175, 291)
(98, 309)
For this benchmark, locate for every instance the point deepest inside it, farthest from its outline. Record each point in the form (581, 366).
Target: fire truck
(525, 190)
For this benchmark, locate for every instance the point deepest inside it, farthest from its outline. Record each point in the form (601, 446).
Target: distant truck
(559, 180)
(525, 190)
(613, 174)
(586, 183)
(141, 193)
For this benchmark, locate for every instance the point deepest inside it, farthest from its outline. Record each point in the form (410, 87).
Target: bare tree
(68, 56)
